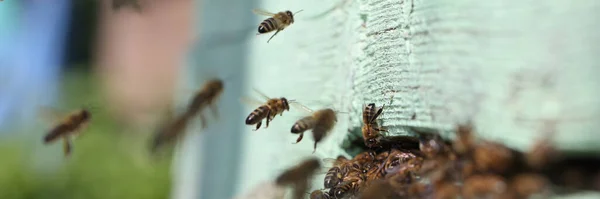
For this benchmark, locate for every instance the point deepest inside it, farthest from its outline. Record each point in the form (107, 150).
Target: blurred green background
(105, 164)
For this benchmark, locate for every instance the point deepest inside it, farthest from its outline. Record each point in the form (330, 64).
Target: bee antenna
(295, 102)
(298, 12)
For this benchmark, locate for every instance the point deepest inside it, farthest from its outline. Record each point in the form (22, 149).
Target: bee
(321, 122)
(378, 189)
(364, 160)
(446, 190)
(492, 157)
(169, 131)
(268, 110)
(334, 175)
(319, 194)
(375, 172)
(206, 96)
(464, 142)
(72, 124)
(484, 186)
(382, 156)
(298, 176)
(526, 184)
(370, 129)
(351, 184)
(277, 21)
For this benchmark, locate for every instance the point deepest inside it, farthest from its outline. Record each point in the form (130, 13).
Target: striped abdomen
(368, 113)
(304, 124)
(59, 130)
(70, 125)
(257, 115)
(267, 25)
(333, 177)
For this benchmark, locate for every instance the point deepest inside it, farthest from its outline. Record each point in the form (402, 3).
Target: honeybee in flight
(299, 176)
(205, 97)
(72, 124)
(321, 122)
(268, 110)
(277, 21)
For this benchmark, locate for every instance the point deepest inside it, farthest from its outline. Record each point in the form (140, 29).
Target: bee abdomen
(303, 125)
(257, 115)
(267, 25)
(56, 133)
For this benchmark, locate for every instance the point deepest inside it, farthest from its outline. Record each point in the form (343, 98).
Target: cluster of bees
(427, 166)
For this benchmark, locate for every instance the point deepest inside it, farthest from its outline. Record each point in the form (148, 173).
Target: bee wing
(300, 106)
(251, 101)
(263, 95)
(51, 115)
(67, 146)
(327, 161)
(331, 161)
(263, 12)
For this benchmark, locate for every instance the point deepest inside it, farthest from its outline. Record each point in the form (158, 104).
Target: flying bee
(321, 122)
(268, 110)
(169, 131)
(298, 176)
(72, 124)
(206, 96)
(370, 129)
(277, 21)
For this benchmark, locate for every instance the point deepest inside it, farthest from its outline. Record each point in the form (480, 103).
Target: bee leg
(67, 147)
(299, 138)
(273, 35)
(268, 118)
(257, 126)
(315, 148)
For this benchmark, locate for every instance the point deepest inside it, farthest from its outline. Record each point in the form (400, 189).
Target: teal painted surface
(211, 158)
(515, 68)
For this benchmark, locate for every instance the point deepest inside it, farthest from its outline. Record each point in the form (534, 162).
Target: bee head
(291, 15)
(218, 84)
(286, 104)
(372, 142)
(85, 114)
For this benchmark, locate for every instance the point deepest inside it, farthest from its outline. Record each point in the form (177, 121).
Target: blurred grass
(107, 162)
